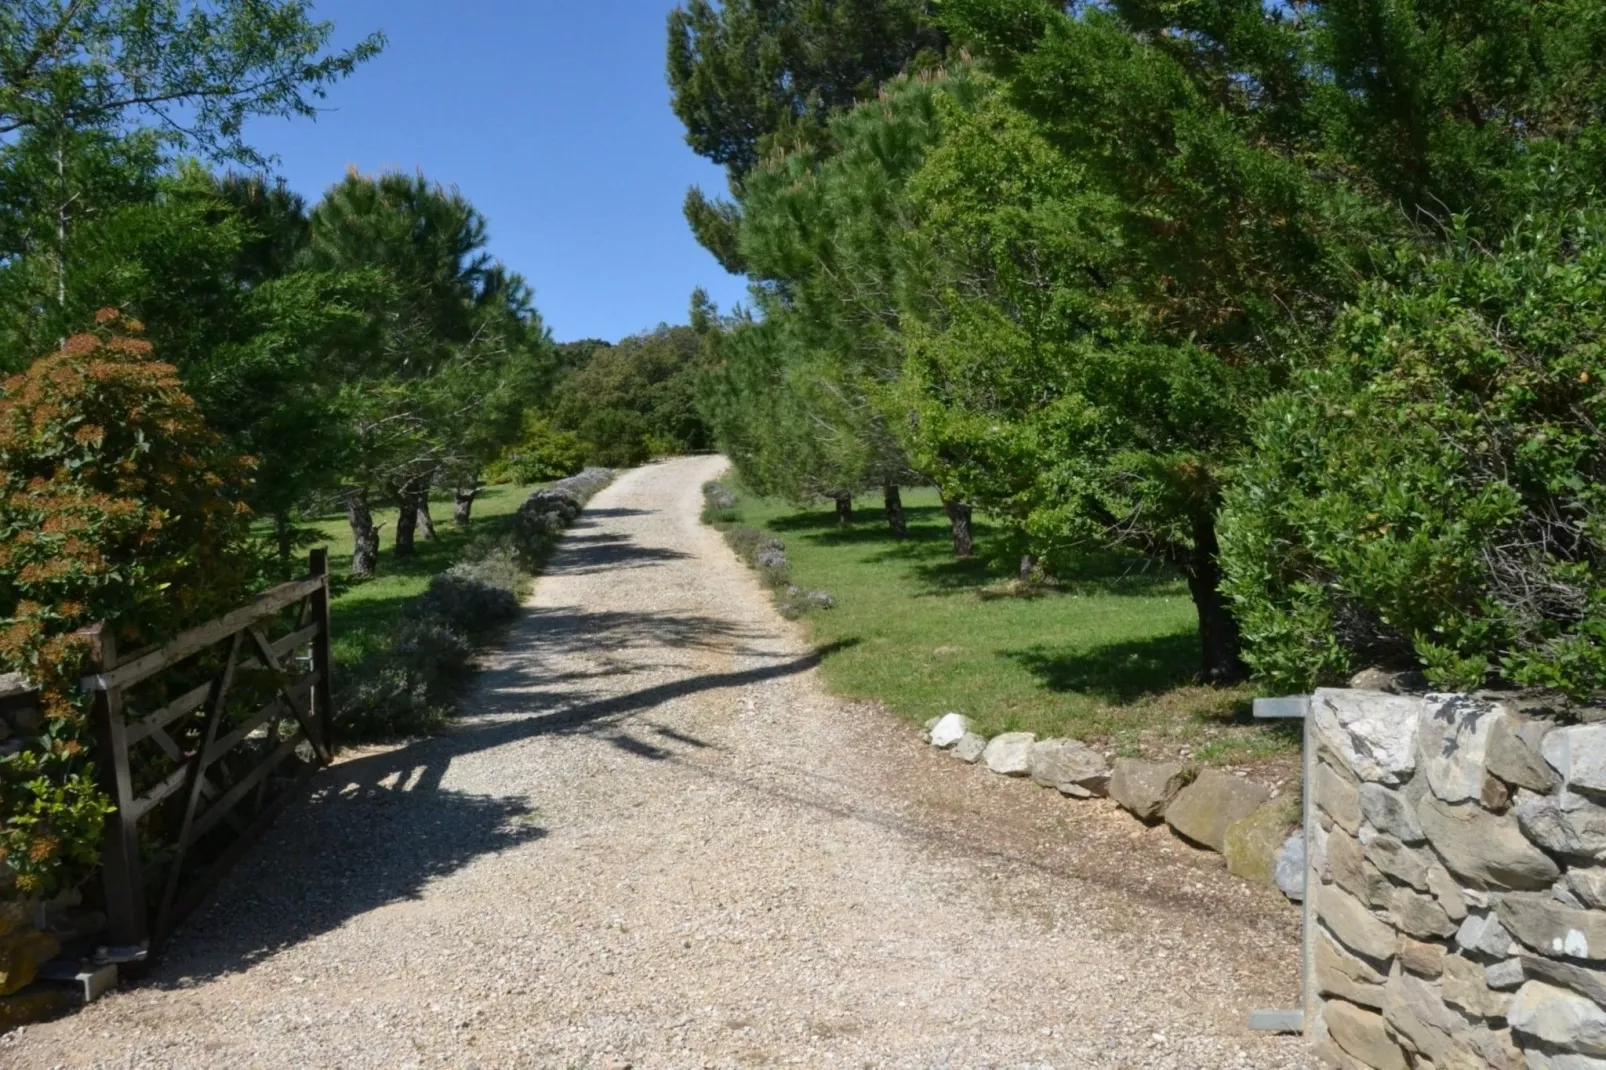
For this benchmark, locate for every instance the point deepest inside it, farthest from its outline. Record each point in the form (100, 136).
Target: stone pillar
(1457, 876)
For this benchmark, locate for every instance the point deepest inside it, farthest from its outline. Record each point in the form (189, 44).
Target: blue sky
(552, 117)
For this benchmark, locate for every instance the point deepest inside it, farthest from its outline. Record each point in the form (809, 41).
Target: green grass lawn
(363, 614)
(1107, 656)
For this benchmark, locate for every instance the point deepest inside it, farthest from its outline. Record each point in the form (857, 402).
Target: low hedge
(411, 688)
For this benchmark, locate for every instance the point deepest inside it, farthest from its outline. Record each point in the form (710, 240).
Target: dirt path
(660, 845)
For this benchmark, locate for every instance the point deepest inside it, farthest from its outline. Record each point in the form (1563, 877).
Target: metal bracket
(1292, 708)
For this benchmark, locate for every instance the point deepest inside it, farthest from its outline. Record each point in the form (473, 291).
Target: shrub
(548, 511)
(1432, 495)
(542, 453)
(763, 553)
(117, 504)
(719, 504)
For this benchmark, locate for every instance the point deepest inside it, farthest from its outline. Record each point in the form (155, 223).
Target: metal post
(121, 872)
(1296, 1020)
(323, 696)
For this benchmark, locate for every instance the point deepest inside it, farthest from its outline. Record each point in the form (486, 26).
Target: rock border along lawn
(1259, 835)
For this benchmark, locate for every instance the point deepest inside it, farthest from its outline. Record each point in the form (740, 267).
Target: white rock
(1375, 734)
(949, 729)
(970, 747)
(1578, 753)
(1010, 754)
(1453, 740)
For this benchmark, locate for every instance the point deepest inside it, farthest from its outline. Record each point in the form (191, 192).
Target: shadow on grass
(1116, 672)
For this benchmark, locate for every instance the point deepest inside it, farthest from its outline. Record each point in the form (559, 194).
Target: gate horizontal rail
(231, 765)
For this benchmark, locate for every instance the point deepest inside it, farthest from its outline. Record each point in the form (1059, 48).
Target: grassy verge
(1106, 656)
(364, 615)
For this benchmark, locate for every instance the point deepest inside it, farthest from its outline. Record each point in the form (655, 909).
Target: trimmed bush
(1434, 495)
(719, 504)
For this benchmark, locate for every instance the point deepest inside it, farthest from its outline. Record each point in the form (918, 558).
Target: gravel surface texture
(658, 843)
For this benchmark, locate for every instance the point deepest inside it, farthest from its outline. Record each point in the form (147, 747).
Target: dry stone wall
(1457, 865)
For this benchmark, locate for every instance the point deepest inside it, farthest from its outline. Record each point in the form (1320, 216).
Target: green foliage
(1432, 492)
(117, 504)
(196, 71)
(629, 402)
(748, 70)
(541, 453)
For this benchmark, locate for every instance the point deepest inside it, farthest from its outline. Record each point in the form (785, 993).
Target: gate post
(323, 695)
(122, 874)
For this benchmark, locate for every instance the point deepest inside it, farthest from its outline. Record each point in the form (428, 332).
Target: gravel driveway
(658, 843)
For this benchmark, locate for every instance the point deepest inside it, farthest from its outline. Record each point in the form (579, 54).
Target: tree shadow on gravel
(377, 829)
(582, 555)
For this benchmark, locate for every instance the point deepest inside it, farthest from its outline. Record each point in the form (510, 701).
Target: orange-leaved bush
(117, 504)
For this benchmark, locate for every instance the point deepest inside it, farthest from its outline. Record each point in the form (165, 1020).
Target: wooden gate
(227, 720)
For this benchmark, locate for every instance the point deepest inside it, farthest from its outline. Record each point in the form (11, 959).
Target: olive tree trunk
(894, 501)
(959, 521)
(364, 536)
(844, 508)
(463, 504)
(406, 521)
(426, 523)
(1028, 567)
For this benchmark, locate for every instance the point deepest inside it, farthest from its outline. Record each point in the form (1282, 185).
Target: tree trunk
(426, 523)
(364, 536)
(1219, 640)
(1028, 567)
(284, 536)
(894, 500)
(959, 521)
(406, 521)
(844, 509)
(463, 504)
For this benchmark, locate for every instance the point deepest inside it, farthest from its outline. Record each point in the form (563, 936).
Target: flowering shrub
(117, 504)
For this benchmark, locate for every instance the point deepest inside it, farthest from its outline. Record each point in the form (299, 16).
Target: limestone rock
(1488, 850)
(1589, 885)
(1338, 798)
(1511, 759)
(1346, 865)
(1453, 739)
(1422, 958)
(1404, 864)
(1464, 987)
(22, 952)
(1205, 809)
(1145, 788)
(1447, 892)
(1567, 824)
(925, 729)
(1559, 1017)
(1419, 915)
(1483, 934)
(970, 747)
(1551, 928)
(1504, 976)
(949, 729)
(1251, 845)
(1010, 754)
(1578, 753)
(1417, 1011)
(1063, 763)
(1539, 1060)
(1289, 869)
(1586, 982)
(1356, 928)
(1375, 734)
(1496, 1048)
(1363, 1035)
(1389, 811)
(1347, 976)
